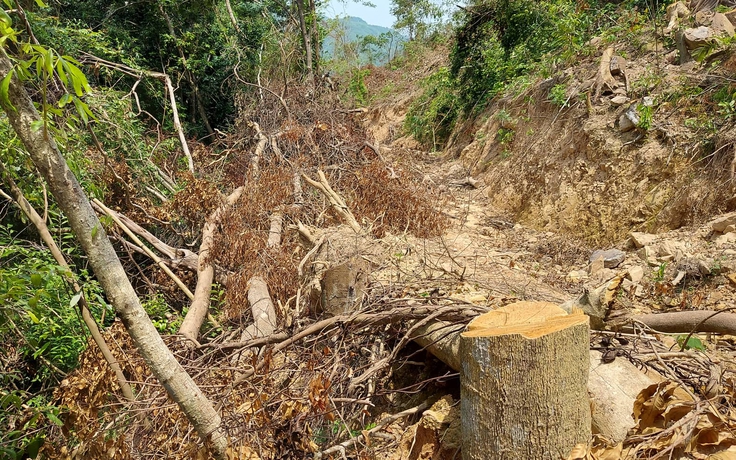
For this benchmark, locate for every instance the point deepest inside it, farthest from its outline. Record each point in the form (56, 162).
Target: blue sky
(380, 15)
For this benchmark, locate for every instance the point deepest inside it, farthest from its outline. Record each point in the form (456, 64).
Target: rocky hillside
(635, 134)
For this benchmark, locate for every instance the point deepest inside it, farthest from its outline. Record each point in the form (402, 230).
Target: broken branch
(336, 200)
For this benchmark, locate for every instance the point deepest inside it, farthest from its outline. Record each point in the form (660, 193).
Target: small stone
(705, 267)
(642, 239)
(722, 223)
(618, 64)
(670, 250)
(596, 266)
(627, 284)
(635, 273)
(612, 258)
(647, 101)
(704, 18)
(576, 276)
(721, 26)
(628, 120)
(715, 297)
(619, 100)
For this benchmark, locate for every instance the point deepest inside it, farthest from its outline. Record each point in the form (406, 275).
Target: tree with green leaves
(36, 132)
(415, 16)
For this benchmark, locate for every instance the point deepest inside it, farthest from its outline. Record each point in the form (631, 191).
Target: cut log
(205, 273)
(523, 383)
(264, 313)
(612, 387)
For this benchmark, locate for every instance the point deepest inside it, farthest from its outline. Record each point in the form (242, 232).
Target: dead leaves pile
(672, 424)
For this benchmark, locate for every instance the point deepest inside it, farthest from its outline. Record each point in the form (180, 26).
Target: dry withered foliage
(671, 424)
(392, 200)
(87, 395)
(196, 201)
(297, 400)
(304, 396)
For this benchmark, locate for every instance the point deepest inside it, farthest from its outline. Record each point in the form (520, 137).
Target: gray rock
(722, 223)
(721, 26)
(697, 37)
(619, 100)
(628, 120)
(612, 258)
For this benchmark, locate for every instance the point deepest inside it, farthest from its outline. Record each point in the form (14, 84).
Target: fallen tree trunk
(690, 321)
(205, 273)
(523, 383)
(176, 257)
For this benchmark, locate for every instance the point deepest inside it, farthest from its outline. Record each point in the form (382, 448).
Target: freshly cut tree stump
(524, 383)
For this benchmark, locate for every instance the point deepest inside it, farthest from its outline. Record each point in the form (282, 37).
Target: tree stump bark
(524, 383)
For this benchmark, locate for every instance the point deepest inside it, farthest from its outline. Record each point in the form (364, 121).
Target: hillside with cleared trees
(515, 239)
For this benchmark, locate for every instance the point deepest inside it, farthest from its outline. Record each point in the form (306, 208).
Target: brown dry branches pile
(315, 381)
(297, 396)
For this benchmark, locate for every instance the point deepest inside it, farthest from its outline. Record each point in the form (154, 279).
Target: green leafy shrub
(558, 95)
(498, 41)
(162, 316)
(357, 88)
(40, 312)
(432, 116)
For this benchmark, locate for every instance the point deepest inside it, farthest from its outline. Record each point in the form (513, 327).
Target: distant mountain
(350, 34)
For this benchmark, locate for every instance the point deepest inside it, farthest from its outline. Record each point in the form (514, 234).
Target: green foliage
(40, 313)
(357, 88)
(25, 418)
(659, 274)
(646, 115)
(162, 316)
(416, 17)
(693, 343)
(499, 41)
(432, 116)
(725, 98)
(558, 95)
(137, 34)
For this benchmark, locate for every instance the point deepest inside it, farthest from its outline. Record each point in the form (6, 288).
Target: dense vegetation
(503, 43)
